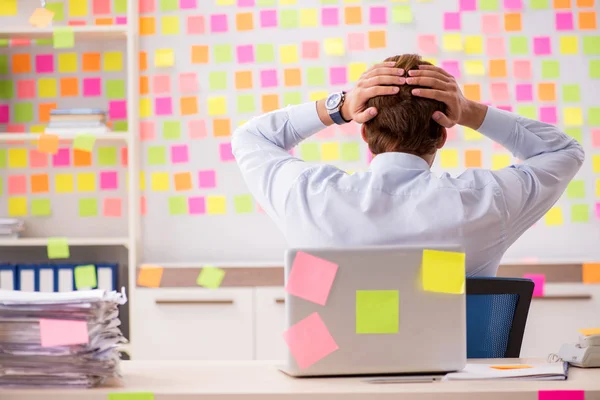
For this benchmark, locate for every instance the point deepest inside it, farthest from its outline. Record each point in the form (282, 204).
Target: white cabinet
(193, 324)
(270, 323)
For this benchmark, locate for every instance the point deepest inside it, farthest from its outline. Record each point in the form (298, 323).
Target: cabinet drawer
(193, 324)
(270, 323)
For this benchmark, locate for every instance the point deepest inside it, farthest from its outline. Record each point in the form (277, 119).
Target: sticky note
(539, 281)
(330, 151)
(157, 155)
(56, 332)
(178, 205)
(474, 44)
(334, 46)
(196, 205)
(467, 5)
(589, 331)
(309, 341)
(58, 248)
(377, 311)
(217, 105)
(580, 213)
(474, 68)
(63, 37)
(210, 277)
(554, 216)
(591, 274)
(216, 205)
(150, 276)
(8, 7)
(452, 21)
(573, 116)
(207, 179)
(311, 278)
(41, 207)
(88, 207)
(164, 58)
(402, 15)
(84, 142)
(17, 206)
(85, 277)
(169, 25)
(112, 207)
(508, 367)
(41, 17)
(443, 271)
(591, 45)
(452, 42)
(449, 158)
(48, 143)
(542, 46)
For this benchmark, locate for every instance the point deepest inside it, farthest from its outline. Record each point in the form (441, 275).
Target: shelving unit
(82, 33)
(91, 241)
(64, 137)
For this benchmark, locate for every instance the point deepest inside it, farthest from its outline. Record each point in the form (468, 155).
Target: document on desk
(538, 372)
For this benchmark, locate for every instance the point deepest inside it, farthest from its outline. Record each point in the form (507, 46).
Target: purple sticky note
(542, 45)
(467, 5)
(179, 154)
(538, 280)
(92, 87)
(44, 63)
(207, 179)
(564, 21)
(330, 16)
(117, 109)
(378, 15)
(561, 395)
(522, 69)
(427, 44)
(452, 67)
(26, 89)
(524, 92)
(495, 47)
(62, 158)
(268, 18)
(218, 23)
(163, 106)
(188, 83)
(337, 75)
(187, 4)
(268, 78)
(490, 24)
(4, 112)
(513, 4)
(245, 54)
(311, 278)
(147, 131)
(196, 205)
(548, 115)
(246, 3)
(452, 21)
(161, 84)
(109, 180)
(309, 341)
(225, 152)
(356, 41)
(310, 50)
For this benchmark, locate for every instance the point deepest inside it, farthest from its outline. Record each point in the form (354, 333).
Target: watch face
(333, 101)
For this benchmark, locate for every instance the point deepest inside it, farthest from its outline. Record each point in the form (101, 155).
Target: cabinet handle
(193, 302)
(280, 301)
(564, 297)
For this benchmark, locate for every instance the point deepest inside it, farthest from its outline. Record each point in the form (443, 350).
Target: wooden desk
(256, 380)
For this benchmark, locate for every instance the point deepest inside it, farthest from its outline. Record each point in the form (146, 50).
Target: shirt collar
(403, 160)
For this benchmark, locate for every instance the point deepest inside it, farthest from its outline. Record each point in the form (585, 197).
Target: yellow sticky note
(216, 204)
(596, 163)
(472, 135)
(516, 366)
(113, 61)
(334, 47)
(86, 182)
(217, 105)
(500, 161)
(169, 25)
(573, 116)
(308, 17)
(330, 151)
(63, 183)
(475, 68)
(40, 18)
(554, 216)
(142, 181)
(8, 7)
(590, 331)
(78, 8)
(318, 95)
(67, 62)
(449, 158)
(474, 44)
(355, 71)
(159, 181)
(452, 42)
(569, 45)
(17, 206)
(288, 54)
(164, 58)
(443, 271)
(47, 87)
(17, 158)
(145, 107)
(58, 248)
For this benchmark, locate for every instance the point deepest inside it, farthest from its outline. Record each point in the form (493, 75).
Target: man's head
(404, 122)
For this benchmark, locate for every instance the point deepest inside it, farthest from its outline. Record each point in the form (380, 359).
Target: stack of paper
(10, 227)
(539, 372)
(59, 339)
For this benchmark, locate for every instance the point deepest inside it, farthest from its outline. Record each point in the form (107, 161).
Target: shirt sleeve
(550, 160)
(261, 148)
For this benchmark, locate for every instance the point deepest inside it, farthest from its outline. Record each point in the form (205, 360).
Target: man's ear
(363, 133)
(443, 138)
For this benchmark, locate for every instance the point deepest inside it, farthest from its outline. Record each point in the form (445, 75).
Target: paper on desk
(543, 372)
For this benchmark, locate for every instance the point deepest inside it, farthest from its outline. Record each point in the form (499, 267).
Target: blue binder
(8, 271)
(28, 281)
(47, 278)
(113, 270)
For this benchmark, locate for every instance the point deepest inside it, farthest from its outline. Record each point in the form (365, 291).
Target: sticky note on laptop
(443, 271)
(309, 341)
(311, 278)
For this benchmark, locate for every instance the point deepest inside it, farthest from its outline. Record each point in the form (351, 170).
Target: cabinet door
(193, 324)
(270, 323)
(552, 322)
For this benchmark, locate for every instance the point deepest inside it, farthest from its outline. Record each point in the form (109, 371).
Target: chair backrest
(497, 311)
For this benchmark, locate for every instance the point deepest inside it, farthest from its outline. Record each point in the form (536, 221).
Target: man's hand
(371, 84)
(445, 89)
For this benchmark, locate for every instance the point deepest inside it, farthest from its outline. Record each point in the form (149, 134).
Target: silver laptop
(431, 331)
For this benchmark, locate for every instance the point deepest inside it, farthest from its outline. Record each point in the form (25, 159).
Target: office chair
(497, 311)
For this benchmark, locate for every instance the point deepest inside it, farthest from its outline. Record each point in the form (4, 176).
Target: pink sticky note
(268, 18)
(109, 180)
(196, 205)
(452, 21)
(218, 23)
(548, 115)
(161, 84)
(121, 20)
(564, 21)
(245, 54)
(146, 6)
(490, 24)
(207, 179)
(101, 7)
(524, 92)
(467, 5)
(309, 341)
(188, 83)
(561, 395)
(26, 89)
(311, 278)
(378, 15)
(62, 158)
(522, 69)
(542, 45)
(195, 25)
(349, 129)
(427, 44)
(147, 131)
(38, 159)
(17, 184)
(326, 133)
(179, 154)
(452, 67)
(124, 156)
(57, 332)
(15, 128)
(598, 210)
(495, 47)
(92, 87)
(268, 78)
(505, 108)
(538, 280)
(163, 106)
(112, 207)
(225, 152)
(143, 205)
(246, 3)
(187, 4)
(4, 113)
(44, 63)
(197, 129)
(499, 92)
(117, 109)
(330, 16)
(310, 50)
(513, 4)
(596, 137)
(337, 75)
(356, 41)
(451, 133)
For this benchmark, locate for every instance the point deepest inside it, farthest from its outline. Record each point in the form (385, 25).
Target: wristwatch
(333, 104)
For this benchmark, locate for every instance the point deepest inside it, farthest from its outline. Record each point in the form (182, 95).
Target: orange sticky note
(472, 91)
(377, 40)
(183, 181)
(591, 273)
(590, 331)
(498, 68)
(48, 144)
(473, 158)
(150, 276)
(41, 17)
(188, 105)
(517, 366)
(547, 91)
(56, 332)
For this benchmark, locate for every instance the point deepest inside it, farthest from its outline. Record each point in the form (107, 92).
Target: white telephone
(585, 354)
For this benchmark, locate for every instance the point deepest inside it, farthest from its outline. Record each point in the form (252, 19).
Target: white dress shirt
(399, 201)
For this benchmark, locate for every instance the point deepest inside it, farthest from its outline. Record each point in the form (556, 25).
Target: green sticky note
(292, 98)
(131, 396)
(4, 42)
(217, 80)
(223, 53)
(169, 5)
(265, 3)
(41, 207)
(23, 112)
(571, 93)
(107, 156)
(580, 213)
(488, 5)
(315, 76)
(178, 205)
(310, 151)
(3, 158)
(6, 89)
(120, 6)
(539, 4)
(3, 64)
(550, 69)
(210, 277)
(171, 130)
(265, 53)
(443, 271)
(329, 2)
(594, 116)
(243, 204)
(576, 189)
(57, 7)
(402, 14)
(591, 45)
(84, 142)
(88, 207)
(595, 69)
(85, 277)
(575, 133)
(63, 37)
(44, 42)
(115, 88)
(519, 45)
(377, 311)
(245, 103)
(157, 155)
(58, 248)
(288, 18)
(350, 152)
(527, 111)
(120, 126)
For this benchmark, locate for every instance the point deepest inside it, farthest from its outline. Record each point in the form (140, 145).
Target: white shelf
(32, 242)
(86, 32)
(16, 137)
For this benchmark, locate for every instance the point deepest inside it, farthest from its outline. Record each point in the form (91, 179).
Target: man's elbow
(578, 152)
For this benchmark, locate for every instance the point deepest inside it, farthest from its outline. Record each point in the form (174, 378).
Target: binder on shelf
(64, 281)
(8, 277)
(107, 276)
(28, 278)
(47, 278)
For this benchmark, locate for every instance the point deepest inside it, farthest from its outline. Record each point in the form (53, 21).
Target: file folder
(65, 279)
(47, 278)
(107, 276)
(28, 278)
(8, 277)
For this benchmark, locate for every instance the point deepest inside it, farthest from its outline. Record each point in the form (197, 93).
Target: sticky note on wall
(443, 271)
(150, 276)
(311, 278)
(539, 281)
(210, 277)
(591, 273)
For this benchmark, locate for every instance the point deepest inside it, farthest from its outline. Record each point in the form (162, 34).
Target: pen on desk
(405, 379)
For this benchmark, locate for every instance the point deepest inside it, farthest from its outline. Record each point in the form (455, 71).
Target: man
(405, 106)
